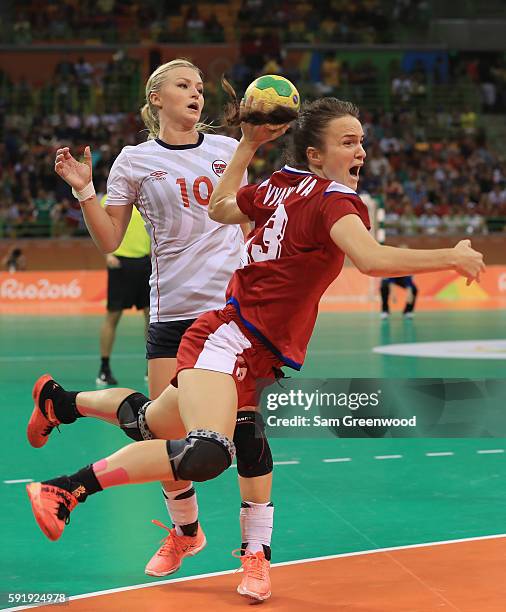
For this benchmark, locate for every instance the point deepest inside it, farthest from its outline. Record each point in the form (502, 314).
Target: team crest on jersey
(241, 369)
(158, 175)
(219, 167)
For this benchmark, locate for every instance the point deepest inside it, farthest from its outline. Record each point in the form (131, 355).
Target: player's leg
(411, 293)
(186, 536)
(207, 403)
(107, 337)
(254, 466)
(254, 462)
(385, 292)
(54, 406)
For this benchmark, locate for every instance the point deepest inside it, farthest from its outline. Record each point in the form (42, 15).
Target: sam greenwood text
(346, 421)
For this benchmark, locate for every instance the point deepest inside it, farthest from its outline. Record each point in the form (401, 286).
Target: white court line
(337, 460)
(444, 454)
(282, 564)
(18, 481)
(388, 456)
(490, 451)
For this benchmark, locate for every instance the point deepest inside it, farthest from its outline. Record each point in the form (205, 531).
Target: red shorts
(217, 341)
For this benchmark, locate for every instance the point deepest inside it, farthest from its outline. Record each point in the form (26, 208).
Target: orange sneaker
(256, 581)
(174, 549)
(51, 507)
(43, 418)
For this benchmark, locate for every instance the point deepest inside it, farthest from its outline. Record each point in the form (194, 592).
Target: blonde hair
(149, 112)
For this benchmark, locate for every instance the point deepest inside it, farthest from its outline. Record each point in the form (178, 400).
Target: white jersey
(192, 256)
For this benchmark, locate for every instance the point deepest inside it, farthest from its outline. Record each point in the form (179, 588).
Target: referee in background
(128, 272)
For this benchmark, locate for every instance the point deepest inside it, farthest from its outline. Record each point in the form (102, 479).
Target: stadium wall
(81, 253)
(19, 64)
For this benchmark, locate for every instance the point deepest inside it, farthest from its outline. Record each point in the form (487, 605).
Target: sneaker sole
(256, 596)
(33, 491)
(188, 554)
(37, 388)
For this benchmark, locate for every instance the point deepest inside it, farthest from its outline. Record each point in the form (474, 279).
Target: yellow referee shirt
(136, 241)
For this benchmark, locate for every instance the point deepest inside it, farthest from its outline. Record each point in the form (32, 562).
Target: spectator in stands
(329, 75)
(497, 197)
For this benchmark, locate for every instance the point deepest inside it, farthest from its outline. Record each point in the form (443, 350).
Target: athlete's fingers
(246, 104)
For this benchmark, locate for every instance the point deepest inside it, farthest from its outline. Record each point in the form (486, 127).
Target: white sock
(256, 525)
(181, 511)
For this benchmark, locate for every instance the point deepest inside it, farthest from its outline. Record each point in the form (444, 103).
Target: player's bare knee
(131, 416)
(202, 455)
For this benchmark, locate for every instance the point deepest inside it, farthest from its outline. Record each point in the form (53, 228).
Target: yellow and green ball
(274, 90)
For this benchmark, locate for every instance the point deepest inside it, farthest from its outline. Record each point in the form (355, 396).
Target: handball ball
(274, 90)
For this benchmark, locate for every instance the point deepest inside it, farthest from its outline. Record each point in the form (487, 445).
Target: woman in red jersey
(308, 216)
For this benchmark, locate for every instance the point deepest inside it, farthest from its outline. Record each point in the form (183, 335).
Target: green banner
(385, 408)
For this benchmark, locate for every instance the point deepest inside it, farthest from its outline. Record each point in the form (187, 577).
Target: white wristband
(86, 193)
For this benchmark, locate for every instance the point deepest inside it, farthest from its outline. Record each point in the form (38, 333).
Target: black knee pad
(201, 456)
(132, 417)
(254, 457)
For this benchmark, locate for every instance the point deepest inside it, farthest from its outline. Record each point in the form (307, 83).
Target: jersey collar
(336, 186)
(290, 170)
(166, 145)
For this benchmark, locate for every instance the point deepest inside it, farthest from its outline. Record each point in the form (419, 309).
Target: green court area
(376, 493)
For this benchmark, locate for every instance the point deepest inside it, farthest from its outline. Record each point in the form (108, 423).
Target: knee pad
(201, 456)
(132, 417)
(254, 457)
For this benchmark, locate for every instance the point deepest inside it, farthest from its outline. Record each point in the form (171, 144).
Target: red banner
(70, 292)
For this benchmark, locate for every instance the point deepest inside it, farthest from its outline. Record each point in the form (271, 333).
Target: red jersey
(291, 259)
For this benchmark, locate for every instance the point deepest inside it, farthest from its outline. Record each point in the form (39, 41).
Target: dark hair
(232, 115)
(308, 130)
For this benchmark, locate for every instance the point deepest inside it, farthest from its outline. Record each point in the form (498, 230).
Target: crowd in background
(430, 161)
(287, 21)
(449, 186)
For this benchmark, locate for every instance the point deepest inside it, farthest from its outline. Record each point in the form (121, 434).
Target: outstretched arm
(374, 259)
(107, 226)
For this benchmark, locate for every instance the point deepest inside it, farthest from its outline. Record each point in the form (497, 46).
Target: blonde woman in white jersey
(170, 179)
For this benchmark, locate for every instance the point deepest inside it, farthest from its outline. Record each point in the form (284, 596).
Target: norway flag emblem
(219, 167)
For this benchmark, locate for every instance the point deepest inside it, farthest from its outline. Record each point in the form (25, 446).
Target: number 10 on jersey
(202, 199)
